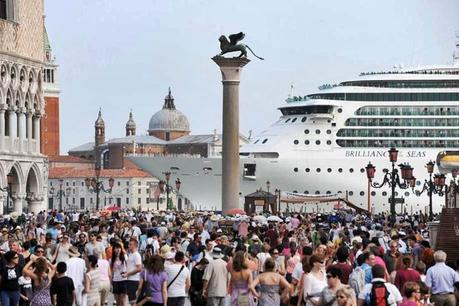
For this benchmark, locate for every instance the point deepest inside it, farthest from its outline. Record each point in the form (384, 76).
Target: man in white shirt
(394, 297)
(178, 281)
(133, 268)
(76, 268)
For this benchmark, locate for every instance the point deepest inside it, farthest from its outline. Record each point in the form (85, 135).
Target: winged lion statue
(232, 45)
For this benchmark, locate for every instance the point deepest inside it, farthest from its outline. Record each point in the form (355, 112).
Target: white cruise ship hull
(340, 171)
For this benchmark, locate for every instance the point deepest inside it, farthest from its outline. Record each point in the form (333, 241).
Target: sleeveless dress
(241, 287)
(41, 295)
(93, 296)
(269, 295)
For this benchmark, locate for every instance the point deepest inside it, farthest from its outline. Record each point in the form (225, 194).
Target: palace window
(7, 10)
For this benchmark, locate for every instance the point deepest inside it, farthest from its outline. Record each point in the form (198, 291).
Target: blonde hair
(349, 293)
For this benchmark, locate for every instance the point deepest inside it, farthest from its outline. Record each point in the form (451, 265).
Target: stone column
(21, 127)
(12, 122)
(29, 115)
(36, 205)
(36, 132)
(2, 127)
(18, 204)
(230, 69)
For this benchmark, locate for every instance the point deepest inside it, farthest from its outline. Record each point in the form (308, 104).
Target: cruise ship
(322, 141)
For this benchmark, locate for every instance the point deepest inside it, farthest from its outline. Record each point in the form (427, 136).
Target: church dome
(131, 123)
(169, 118)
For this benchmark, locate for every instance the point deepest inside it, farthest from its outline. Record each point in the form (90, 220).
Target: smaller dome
(99, 122)
(131, 123)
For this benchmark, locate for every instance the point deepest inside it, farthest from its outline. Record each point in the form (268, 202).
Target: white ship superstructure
(323, 141)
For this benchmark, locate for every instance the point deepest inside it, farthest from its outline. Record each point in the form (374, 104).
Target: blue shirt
(441, 278)
(368, 274)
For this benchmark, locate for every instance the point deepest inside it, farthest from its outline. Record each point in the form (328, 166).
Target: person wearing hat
(76, 268)
(215, 279)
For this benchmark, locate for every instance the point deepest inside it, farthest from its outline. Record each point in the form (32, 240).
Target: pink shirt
(103, 267)
(380, 261)
(243, 229)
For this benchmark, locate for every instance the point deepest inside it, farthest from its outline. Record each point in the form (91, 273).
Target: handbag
(145, 290)
(243, 299)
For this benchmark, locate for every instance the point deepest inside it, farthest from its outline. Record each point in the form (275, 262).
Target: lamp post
(454, 184)
(95, 184)
(278, 194)
(437, 185)
(392, 178)
(60, 193)
(167, 175)
(268, 184)
(7, 188)
(178, 183)
(161, 188)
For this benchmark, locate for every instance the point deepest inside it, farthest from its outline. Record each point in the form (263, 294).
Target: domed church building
(168, 134)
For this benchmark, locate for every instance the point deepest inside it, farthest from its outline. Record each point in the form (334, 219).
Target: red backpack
(379, 294)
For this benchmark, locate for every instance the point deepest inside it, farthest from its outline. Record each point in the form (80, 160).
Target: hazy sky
(122, 55)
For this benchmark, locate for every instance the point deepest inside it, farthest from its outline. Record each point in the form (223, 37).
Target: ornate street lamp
(437, 185)
(161, 188)
(95, 184)
(392, 178)
(178, 184)
(60, 193)
(167, 175)
(454, 185)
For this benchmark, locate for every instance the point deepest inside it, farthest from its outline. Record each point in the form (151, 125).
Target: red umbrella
(112, 208)
(235, 211)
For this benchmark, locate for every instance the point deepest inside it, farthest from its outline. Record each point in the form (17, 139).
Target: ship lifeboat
(447, 161)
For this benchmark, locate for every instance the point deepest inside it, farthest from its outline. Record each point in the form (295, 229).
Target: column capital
(21, 110)
(230, 68)
(29, 112)
(3, 107)
(12, 108)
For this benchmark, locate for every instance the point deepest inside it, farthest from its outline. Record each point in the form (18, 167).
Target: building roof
(46, 44)
(68, 159)
(68, 172)
(99, 122)
(138, 139)
(89, 146)
(190, 139)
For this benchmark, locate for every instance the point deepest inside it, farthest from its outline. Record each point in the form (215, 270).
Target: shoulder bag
(168, 285)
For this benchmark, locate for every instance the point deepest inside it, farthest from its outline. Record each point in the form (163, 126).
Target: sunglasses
(329, 276)
(321, 262)
(39, 251)
(340, 297)
(15, 257)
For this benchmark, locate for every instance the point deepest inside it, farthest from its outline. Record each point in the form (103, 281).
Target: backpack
(357, 280)
(379, 294)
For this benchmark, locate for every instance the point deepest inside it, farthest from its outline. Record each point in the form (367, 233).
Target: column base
(36, 206)
(18, 206)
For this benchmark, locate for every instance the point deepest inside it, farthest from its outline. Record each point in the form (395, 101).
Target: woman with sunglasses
(345, 296)
(9, 276)
(61, 254)
(315, 281)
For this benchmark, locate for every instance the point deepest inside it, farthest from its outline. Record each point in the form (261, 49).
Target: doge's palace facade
(23, 170)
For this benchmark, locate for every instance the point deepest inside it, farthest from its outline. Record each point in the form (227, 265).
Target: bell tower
(99, 127)
(130, 125)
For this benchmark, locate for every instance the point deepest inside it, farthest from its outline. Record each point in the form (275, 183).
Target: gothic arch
(3, 178)
(35, 170)
(14, 76)
(18, 178)
(9, 99)
(28, 101)
(32, 186)
(19, 98)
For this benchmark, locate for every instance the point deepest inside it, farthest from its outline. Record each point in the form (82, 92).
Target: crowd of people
(166, 258)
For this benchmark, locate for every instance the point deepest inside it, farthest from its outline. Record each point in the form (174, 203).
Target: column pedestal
(230, 69)
(36, 206)
(18, 204)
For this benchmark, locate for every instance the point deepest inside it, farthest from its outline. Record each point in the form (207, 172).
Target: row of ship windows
(398, 143)
(329, 170)
(303, 119)
(404, 84)
(297, 141)
(307, 142)
(397, 96)
(408, 111)
(361, 193)
(397, 133)
(402, 122)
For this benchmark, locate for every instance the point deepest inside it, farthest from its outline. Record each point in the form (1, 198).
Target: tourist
(345, 296)
(215, 280)
(154, 277)
(441, 279)
(315, 281)
(103, 266)
(41, 271)
(393, 294)
(270, 284)
(61, 253)
(117, 271)
(133, 268)
(412, 293)
(9, 282)
(406, 273)
(241, 281)
(62, 289)
(76, 268)
(178, 280)
(92, 282)
(93, 247)
(328, 295)
(342, 255)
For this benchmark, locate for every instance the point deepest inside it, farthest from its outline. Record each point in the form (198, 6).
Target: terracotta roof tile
(68, 159)
(67, 172)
